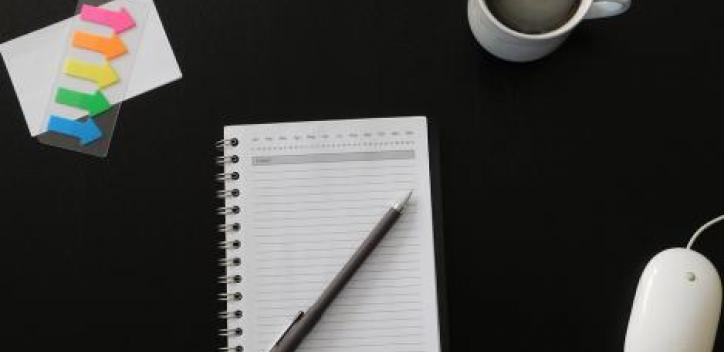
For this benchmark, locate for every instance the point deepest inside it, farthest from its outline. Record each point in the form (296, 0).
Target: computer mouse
(677, 304)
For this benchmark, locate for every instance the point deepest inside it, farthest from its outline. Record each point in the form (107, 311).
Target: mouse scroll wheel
(690, 276)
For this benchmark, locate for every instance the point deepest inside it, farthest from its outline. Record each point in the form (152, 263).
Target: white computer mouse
(677, 304)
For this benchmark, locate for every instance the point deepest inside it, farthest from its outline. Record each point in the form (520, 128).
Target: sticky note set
(101, 47)
(71, 77)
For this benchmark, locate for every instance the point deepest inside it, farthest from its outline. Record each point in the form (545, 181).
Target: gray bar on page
(332, 157)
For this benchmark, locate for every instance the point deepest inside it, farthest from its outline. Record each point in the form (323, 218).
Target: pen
(304, 322)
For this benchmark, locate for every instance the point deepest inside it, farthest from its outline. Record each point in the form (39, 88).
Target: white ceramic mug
(512, 45)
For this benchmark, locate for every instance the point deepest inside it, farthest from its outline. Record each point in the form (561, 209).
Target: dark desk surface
(560, 178)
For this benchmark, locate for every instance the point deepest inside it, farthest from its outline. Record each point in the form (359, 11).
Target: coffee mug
(512, 45)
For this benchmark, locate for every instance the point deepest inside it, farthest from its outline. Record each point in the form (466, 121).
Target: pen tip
(401, 202)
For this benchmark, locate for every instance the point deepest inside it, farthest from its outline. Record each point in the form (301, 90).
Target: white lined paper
(311, 193)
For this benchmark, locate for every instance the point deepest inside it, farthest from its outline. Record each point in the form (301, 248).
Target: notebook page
(312, 191)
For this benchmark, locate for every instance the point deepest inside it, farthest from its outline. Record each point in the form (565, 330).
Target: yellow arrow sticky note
(102, 75)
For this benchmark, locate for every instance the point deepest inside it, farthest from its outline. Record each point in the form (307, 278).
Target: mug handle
(607, 8)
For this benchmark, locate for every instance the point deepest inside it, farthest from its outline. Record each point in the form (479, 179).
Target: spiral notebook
(299, 199)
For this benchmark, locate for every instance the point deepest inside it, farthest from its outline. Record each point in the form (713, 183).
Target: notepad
(300, 198)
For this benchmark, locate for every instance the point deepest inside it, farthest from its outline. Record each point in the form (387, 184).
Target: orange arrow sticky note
(110, 47)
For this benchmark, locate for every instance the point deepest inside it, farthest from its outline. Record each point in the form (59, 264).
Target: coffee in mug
(533, 16)
(527, 30)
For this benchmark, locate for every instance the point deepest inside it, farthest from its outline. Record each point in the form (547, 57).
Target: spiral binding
(229, 245)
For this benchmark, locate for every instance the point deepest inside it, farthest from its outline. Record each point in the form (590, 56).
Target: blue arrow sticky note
(87, 132)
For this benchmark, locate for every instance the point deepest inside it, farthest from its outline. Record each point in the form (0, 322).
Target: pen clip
(284, 333)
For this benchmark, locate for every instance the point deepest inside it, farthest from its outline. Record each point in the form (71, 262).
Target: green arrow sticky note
(94, 104)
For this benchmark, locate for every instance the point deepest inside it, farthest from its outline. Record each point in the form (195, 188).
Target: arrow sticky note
(87, 131)
(94, 104)
(120, 21)
(102, 75)
(111, 48)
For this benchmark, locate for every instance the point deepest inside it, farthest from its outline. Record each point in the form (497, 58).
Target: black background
(560, 178)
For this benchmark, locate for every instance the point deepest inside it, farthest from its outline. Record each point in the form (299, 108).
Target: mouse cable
(704, 228)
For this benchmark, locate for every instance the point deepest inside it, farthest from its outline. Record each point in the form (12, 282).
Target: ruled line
(354, 245)
(336, 265)
(327, 201)
(286, 308)
(338, 224)
(346, 170)
(410, 207)
(365, 230)
(407, 185)
(298, 241)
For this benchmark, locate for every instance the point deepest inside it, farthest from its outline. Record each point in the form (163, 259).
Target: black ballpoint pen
(305, 321)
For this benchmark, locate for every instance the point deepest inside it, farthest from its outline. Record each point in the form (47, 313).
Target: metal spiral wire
(229, 245)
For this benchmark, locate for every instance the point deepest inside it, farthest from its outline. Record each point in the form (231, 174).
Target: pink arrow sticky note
(120, 21)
